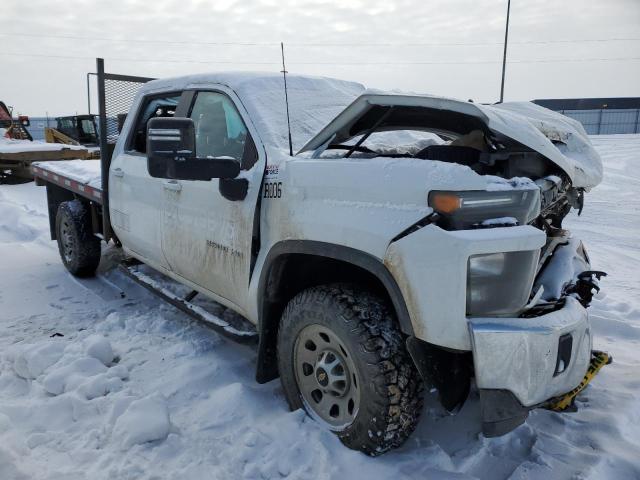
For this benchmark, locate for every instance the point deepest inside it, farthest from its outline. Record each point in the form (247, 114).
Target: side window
(220, 131)
(87, 126)
(157, 106)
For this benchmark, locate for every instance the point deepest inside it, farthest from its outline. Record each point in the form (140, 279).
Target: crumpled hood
(570, 149)
(558, 138)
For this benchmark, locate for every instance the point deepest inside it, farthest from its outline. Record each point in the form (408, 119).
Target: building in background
(599, 116)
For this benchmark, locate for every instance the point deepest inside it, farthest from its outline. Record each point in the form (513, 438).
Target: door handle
(118, 172)
(172, 185)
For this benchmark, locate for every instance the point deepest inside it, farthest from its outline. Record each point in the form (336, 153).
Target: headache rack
(115, 96)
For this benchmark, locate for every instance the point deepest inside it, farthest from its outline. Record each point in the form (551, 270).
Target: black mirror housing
(171, 153)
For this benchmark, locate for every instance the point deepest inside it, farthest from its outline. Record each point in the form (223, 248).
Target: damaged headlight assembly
(498, 284)
(483, 209)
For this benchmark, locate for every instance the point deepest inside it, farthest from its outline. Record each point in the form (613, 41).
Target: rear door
(135, 197)
(208, 226)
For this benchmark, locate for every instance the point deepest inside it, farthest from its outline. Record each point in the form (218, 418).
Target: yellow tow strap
(598, 360)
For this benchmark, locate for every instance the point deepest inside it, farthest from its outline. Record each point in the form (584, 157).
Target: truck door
(207, 226)
(136, 197)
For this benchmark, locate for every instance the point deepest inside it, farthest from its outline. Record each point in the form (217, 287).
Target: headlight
(463, 210)
(500, 283)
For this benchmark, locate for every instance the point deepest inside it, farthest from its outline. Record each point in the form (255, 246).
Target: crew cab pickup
(411, 239)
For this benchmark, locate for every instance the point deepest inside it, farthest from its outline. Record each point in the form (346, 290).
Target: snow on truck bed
(86, 172)
(99, 380)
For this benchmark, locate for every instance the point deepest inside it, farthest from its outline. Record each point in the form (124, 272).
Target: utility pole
(504, 57)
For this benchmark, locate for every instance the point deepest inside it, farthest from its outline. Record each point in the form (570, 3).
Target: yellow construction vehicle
(18, 149)
(75, 130)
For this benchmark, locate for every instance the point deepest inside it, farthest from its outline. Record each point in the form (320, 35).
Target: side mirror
(24, 120)
(171, 153)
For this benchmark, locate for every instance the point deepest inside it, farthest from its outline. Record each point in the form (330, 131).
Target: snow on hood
(558, 138)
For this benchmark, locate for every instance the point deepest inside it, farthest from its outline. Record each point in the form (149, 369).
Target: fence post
(600, 121)
(105, 157)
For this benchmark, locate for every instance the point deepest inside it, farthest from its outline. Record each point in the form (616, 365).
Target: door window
(220, 131)
(158, 106)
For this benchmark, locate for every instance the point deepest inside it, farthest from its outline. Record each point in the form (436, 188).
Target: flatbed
(82, 177)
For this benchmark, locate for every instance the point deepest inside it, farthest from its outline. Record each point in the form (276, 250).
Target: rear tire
(325, 333)
(79, 247)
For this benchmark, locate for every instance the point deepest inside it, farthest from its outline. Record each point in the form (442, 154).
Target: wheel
(79, 247)
(343, 359)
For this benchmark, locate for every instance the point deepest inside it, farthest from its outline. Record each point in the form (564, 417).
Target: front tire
(343, 359)
(79, 248)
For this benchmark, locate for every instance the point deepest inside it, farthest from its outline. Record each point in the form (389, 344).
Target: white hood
(558, 138)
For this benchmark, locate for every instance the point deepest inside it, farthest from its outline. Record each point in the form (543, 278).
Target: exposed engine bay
(537, 163)
(542, 197)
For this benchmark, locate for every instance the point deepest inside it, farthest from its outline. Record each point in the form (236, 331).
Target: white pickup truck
(411, 240)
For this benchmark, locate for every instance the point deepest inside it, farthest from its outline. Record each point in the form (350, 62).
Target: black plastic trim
(449, 372)
(501, 412)
(267, 327)
(347, 254)
(234, 189)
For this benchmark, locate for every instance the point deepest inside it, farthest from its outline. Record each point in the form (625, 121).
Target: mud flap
(566, 402)
(501, 412)
(448, 372)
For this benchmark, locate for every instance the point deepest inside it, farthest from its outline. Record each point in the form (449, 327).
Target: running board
(238, 334)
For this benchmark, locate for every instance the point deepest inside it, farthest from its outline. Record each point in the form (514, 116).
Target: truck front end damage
(489, 277)
(513, 296)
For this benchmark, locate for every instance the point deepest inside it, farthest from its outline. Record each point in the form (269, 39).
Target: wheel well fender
(294, 265)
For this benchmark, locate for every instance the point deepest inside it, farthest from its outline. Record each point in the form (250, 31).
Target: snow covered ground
(99, 380)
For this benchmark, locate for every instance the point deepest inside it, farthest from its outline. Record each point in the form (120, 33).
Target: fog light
(500, 283)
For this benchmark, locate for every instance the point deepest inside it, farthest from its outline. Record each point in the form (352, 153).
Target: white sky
(124, 32)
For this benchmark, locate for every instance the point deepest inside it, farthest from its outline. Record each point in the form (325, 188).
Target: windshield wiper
(369, 132)
(342, 146)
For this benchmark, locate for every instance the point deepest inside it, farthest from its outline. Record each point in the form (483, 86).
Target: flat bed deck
(82, 177)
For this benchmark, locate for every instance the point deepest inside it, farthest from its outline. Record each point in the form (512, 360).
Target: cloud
(122, 32)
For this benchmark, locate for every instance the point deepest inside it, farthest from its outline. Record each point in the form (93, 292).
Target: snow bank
(62, 367)
(145, 420)
(32, 361)
(72, 376)
(99, 347)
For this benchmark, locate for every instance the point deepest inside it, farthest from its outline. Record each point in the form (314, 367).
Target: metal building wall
(605, 121)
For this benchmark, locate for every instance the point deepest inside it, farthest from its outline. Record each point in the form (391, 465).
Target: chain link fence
(115, 97)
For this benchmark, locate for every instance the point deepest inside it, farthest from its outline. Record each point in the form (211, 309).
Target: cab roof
(313, 101)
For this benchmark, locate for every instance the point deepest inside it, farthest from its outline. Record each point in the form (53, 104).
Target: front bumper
(523, 362)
